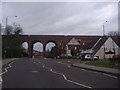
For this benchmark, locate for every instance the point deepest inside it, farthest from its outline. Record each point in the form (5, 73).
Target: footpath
(7, 61)
(79, 64)
(98, 69)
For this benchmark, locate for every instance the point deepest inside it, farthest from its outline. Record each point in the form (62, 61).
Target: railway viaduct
(59, 40)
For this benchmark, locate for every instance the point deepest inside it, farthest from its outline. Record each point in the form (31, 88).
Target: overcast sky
(62, 18)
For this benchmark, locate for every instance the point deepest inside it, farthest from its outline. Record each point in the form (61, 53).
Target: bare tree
(8, 30)
(17, 29)
(114, 33)
(11, 43)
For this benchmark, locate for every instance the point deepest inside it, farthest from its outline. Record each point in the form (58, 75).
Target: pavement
(7, 61)
(79, 65)
(96, 68)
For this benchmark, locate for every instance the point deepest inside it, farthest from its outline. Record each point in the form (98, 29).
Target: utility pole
(7, 20)
(103, 37)
(6, 29)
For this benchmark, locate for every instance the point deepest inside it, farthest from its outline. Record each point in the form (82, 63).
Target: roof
(116, 39)
(95, 43)
(73, 41)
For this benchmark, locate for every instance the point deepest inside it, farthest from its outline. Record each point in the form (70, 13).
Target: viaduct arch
(59, 40)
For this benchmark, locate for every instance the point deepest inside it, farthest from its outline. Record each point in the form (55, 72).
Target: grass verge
(104, 63)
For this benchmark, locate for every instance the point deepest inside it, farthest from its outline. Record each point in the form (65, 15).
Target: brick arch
(25, 49)
(49, 42)
(36, 41)
(59, 40)
(55, 42)
(31, 43)
(24, 42)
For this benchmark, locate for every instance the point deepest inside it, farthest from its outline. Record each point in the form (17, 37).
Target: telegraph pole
(103, 37)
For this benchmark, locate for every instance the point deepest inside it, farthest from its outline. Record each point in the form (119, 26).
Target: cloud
(63, 17)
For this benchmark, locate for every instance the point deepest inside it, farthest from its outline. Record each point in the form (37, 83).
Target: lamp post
(7, 20)
(104, 35)
(6, 29)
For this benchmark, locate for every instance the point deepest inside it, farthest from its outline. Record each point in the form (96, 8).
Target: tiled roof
(90, 41)
(116, 39)
(100, 43)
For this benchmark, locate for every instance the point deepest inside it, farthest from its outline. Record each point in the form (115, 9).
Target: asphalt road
(43, 73)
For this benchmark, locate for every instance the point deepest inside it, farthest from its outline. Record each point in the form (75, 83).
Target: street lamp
(104, 28)
(7, 19)
(6, 28)
(104, 35)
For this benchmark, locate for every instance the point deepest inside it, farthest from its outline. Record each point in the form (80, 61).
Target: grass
(104, 63)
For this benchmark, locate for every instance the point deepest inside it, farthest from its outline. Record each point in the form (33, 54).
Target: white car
(90, 57)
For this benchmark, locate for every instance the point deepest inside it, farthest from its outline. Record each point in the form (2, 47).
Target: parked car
(116, 57)
(90, 57)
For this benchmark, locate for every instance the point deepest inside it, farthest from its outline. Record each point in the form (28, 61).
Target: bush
(17, 52)
(14, 52)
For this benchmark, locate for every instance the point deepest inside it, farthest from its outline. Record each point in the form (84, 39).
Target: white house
(72, 44)
(98, 48)
(109, 45)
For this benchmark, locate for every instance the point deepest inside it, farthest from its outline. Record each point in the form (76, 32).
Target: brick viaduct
(57, 39)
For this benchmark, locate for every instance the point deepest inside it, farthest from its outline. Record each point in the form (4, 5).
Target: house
(73, 44)
(108, 46)
(101, 46)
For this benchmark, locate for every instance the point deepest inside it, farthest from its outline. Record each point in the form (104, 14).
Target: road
(44, 73)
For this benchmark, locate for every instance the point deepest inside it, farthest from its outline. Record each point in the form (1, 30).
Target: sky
(62, 18)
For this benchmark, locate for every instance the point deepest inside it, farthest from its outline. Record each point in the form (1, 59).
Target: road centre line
(89, 70)
(50, 69)
(1, 80)
(68, 66)
(70, 80)
(6, 70)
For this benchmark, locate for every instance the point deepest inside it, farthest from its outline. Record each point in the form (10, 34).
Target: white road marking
(70, 80)
(93, 71)
(51, 70)
(58, 62)
(1, 80)
(100, 73)
(34, 71)
(39, 62)
(6, 69)
(68, 66)
(83, 70)
(68, 61)
(110, 75)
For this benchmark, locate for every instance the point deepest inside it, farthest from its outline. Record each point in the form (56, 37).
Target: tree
(55, 52)
(11, 43)
(17, 29)
(48, 54)
(14, 29)
(114, 33)
(74, 52)
(8, 30)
